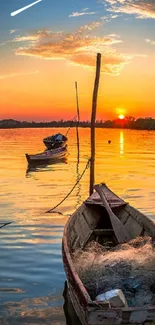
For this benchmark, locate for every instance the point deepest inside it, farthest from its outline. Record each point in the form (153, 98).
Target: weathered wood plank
(123, 216)
(143, 220)
(133, 227)
(103, 232)
(102, 317)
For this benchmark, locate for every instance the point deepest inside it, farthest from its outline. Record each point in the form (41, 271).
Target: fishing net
(129, 267)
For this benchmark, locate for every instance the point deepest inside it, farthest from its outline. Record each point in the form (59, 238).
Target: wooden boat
(47, 156)
(55, 141)
(92, 221)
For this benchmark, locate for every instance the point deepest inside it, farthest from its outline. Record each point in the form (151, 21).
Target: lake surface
(31, 270)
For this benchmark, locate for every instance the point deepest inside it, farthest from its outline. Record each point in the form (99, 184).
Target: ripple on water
(32, 274)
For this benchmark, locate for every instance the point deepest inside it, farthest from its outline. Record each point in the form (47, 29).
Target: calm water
(31, 272)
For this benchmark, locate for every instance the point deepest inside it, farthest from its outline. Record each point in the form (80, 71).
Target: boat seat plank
(103, 232)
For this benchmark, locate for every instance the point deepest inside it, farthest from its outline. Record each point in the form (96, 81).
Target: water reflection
(78, 196)
(3, 224)
(42, 167)
(121, 142)
(38, 310)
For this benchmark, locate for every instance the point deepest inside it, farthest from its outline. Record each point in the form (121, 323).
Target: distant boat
(47, 156)
(92, 221)
(55, 141)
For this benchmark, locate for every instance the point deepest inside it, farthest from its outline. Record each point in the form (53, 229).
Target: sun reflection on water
(121, 142)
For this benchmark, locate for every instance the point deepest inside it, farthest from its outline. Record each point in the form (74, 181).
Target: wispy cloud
(108, 18)
(78, 48)
(17, 74)
(142, 9)
(89, 27)
(84, 9)
(28, 38)
(12, 31)
(150, 41)
(114, 16)
(2, 44)
(82, 13)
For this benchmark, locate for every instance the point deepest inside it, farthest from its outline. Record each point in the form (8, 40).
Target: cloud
(12, 31)
(89, 27)
(85, 9)
(114, 16)
(112, 62)
(17, 74)
(1, 44)
(29, 38)
(108, 18)
(141, 8)
(84, 12)
(150, 41)
(19, 38)
(78, 48)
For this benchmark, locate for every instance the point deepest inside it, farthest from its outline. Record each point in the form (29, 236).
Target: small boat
(55, 141)
(47, 156)
(97, 219)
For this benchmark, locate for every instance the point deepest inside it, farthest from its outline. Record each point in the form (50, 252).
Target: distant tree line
(129, 122)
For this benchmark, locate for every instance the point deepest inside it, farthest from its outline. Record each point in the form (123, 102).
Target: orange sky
(39, 66)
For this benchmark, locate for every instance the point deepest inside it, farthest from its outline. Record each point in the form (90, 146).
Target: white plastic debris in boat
(115, 297)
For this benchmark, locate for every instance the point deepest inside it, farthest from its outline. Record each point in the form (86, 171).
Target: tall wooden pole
(77, 101)
(78, 120)
(93, 119)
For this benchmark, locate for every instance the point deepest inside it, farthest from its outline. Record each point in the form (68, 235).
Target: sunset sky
(46, 48)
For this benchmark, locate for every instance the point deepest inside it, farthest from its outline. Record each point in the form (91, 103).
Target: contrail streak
(14, 13)
(17, 74)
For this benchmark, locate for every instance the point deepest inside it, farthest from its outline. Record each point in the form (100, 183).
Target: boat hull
(47, 156)
(77, 298)
(69, 311)
(80, 228)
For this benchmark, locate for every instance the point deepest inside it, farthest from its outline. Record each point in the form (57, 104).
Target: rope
(71, 125)
(79, 178)
(5, 224)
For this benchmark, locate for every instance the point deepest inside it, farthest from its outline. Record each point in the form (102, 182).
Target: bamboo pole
(77, 101)
(93, 119)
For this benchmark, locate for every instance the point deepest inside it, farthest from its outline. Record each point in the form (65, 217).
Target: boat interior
(91, 222)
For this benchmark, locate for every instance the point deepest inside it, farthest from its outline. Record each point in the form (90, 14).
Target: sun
(121, 117)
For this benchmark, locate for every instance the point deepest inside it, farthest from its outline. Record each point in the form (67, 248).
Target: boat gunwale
(61, 152)
(77, 279)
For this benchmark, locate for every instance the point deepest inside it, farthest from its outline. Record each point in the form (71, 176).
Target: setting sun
(121, 117)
